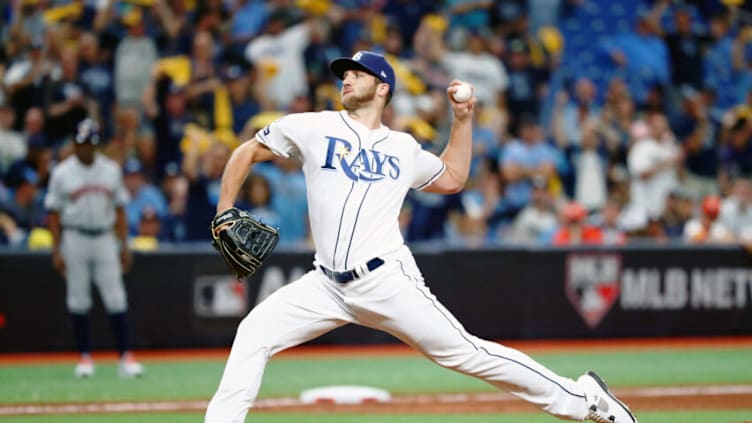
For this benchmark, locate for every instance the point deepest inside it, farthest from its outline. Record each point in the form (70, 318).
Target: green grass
(411, 374)
(661, 367)
(288, 376)
(55, 383)
(704, 416)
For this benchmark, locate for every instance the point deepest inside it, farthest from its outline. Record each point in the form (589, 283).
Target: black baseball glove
(244, 241)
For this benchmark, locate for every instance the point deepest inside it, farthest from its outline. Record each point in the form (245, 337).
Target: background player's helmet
(87, 131)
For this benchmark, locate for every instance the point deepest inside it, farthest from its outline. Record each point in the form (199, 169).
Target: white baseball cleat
(84, 368)
(603, 406)
(129, 367)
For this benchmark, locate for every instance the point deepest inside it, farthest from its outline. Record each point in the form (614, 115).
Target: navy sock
(81, 332)
(119, 323)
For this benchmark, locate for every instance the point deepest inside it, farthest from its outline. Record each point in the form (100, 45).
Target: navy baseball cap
(367, 61)
(87, 131)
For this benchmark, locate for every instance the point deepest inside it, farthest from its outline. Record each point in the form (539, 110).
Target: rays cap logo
(367, 61)
(592, 284)
(87, 131)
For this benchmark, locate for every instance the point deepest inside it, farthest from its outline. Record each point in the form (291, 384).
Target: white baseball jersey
(366, 173)
(86, 196)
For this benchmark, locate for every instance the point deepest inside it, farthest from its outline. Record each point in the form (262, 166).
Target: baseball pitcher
(357, 173)
(85, 201)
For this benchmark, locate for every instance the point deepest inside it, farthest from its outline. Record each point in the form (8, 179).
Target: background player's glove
(244, 241)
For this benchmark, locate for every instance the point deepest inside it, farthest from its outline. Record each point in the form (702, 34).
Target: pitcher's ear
(384, 89)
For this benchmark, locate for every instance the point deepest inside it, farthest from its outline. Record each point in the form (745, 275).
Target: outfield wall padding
(184, 297)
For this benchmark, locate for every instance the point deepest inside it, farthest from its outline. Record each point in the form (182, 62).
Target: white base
(344, 394)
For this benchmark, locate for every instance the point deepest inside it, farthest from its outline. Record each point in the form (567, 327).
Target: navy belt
(350, 275)
(87, 231)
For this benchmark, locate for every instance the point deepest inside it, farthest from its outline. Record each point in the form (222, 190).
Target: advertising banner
(187, 299)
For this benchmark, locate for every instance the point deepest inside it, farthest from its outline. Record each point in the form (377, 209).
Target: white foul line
(686, 391)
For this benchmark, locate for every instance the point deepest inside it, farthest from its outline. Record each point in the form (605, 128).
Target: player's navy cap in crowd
(368, 61)
(133, 166)
(87, 131)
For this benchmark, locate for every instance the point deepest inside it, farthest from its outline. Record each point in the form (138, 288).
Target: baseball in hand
(463, 92)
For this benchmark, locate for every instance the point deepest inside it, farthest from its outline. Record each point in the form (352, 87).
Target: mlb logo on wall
(592, 284)
(220, 296)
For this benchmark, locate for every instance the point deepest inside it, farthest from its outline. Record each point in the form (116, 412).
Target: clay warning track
(639, 399)
(314, 351)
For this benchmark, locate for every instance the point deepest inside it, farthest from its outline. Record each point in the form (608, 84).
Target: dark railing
(182, 296)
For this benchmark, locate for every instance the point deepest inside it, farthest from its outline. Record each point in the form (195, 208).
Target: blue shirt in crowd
(249, 20)
(147, 196)
(720, 76)
(517, 194)
(288, 201)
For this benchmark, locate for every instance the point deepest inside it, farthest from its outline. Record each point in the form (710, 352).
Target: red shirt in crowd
(589, 235)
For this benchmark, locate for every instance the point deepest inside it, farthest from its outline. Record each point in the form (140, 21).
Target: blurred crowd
(651, 142)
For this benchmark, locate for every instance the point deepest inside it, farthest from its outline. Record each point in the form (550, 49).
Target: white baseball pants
(392, 298)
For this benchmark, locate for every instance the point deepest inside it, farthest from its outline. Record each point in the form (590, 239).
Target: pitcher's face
(358, 89)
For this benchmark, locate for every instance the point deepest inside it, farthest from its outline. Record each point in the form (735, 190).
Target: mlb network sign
(596, 282)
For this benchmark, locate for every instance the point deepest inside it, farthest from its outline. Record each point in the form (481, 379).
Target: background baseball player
(85, 201)
(357, 173)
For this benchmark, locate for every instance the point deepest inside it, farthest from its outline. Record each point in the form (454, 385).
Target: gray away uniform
(86, 198)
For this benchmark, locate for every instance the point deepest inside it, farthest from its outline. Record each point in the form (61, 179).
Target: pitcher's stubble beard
(356, 101)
